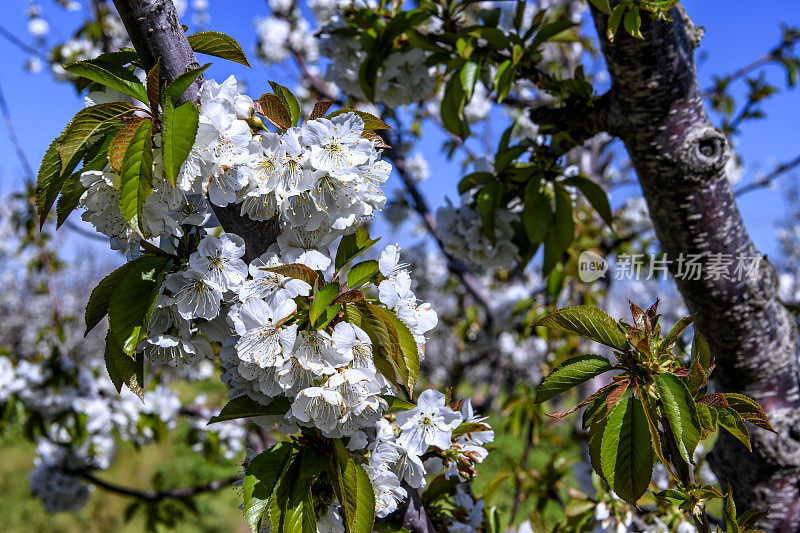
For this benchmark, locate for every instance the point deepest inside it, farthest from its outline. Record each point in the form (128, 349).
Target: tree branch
(767, 180)
(156, 32)
(680, 158)
(153, 496)
(582, 119)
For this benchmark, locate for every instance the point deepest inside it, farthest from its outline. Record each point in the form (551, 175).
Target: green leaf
(626, 451)
(729, 508)
(749, 409)
(245, 407)
(178, 86)
(681, 413)
(261, 478)
(469, 75)
(734, 424)
(550, 30)
(465, 428)
(701, 353)
(299, 516)
(87, 123)
(673, 496)
(358, 498)
(361, 272)
(597, 407)
(98, 74)
(409, 353)
(385, 341)
(452, 108)
(218, 45)
(71, 193)
(351, 246)
(97, 308)
(614, 20)
(676, 331)
(487, 201)
(395, 404)
(595, 194)
(562, 231)
(538, 213)
(503, 79)
(571, 373)
(49, 181)
(595, 443)
(633, 21)
(589, 322)
(133, 299)
(122, 368)
(602, 6)
(312, 463)
(136, 179)
(289, 101)
(179, 129)
(708, 419)
(322, 299)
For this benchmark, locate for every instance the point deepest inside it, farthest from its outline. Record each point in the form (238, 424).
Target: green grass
(173, 462)
(509, 448)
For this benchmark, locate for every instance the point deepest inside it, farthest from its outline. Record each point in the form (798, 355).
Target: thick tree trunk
(156, 32)
(679, 157)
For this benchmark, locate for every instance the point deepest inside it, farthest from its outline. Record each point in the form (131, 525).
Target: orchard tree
(246, 227)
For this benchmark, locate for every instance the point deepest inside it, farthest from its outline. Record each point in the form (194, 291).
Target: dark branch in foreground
(153, 496)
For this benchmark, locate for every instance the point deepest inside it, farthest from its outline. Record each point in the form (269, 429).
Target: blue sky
(735, 35)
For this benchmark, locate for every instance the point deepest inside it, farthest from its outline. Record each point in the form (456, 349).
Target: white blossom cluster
(404, 78)
(464, 237)
(397, 450)
(322, 180)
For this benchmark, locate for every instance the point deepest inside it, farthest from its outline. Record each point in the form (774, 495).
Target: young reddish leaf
(617, 393)
(119, 144)
(154, 86)
(272, 107)
(320, 108)
(371, 122)
(296, 271)
(591, 398)
(749, 410)
(713, 400)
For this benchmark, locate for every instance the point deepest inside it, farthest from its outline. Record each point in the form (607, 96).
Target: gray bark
(679, 157)
(156, 32)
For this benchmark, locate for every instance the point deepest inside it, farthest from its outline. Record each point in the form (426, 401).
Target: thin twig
(769, 178)
(16, 41)
(38, 240)
(774, 53)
